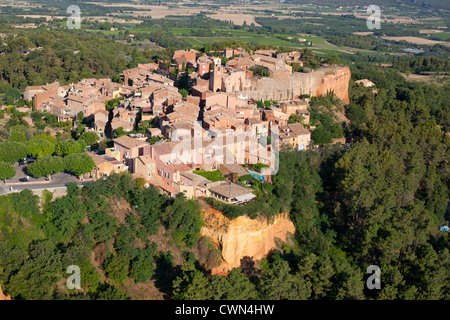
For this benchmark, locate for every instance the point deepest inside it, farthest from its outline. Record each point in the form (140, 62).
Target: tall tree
(7, 171)
(191, 284)
(184, 219)
(79, 163)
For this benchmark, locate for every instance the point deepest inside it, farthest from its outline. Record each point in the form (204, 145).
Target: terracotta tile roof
(128, 142)
(164, 148)
(298, 129)
(178, 167)
(101, 111)
(196, 179)
(146, 160)
(113, 160)
(183, 125)
(230, 190)
(30, 88)
(159, 182)
(236, 168)
(168, 188)
(98, 160)
(200, 88)
(117, 123)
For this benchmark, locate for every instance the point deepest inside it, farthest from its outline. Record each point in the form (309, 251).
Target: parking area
(21, 175)
(23, 181)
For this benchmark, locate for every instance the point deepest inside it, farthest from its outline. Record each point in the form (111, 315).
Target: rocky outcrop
(334, 80)
(2, 296)
(243, 237)
(288, 87)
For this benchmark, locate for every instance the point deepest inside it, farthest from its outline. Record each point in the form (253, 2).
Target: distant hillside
(435, 4)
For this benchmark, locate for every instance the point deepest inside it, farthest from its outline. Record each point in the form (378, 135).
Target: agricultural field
(236, 18)
(317, 44)
(429, 79)
(270, 23)
(417, 40)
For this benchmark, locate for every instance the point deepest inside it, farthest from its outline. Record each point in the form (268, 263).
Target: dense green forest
(423, 65)
(37, 248)
(64, 56)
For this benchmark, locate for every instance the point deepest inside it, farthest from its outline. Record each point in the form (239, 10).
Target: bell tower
(215, 80)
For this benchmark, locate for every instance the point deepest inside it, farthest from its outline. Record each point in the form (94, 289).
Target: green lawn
(327, 51)
(320, 9)
(210, 175)
(194, 42)
(443, 35)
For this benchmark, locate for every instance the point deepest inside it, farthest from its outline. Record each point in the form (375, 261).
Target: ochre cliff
(243, 236)
(288, 87)
(2, 296)
(335, 80)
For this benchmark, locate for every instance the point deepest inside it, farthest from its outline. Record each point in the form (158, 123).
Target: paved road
(22, 174)
(3, 189)
(59, 180)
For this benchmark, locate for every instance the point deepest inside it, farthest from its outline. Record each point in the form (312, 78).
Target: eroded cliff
(2, 295)
(334, 80)
(288, 87)
(243, 236)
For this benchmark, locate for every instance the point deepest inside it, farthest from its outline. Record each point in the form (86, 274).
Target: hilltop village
(252, 94)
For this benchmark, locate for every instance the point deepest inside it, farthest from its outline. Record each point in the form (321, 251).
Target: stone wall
(315, 83)
(57, 192)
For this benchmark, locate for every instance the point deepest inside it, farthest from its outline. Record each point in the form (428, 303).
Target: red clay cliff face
(2, 296)
(288, 87)
(335, 80)
(243, 236)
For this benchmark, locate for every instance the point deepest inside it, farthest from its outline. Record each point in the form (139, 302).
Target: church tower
(215, 79)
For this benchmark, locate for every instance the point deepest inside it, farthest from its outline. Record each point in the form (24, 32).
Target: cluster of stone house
(143, 93)
(282, 84)
(220, 107)
(157, 165)
(168, 166)
(367, 83)
(88, 96)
